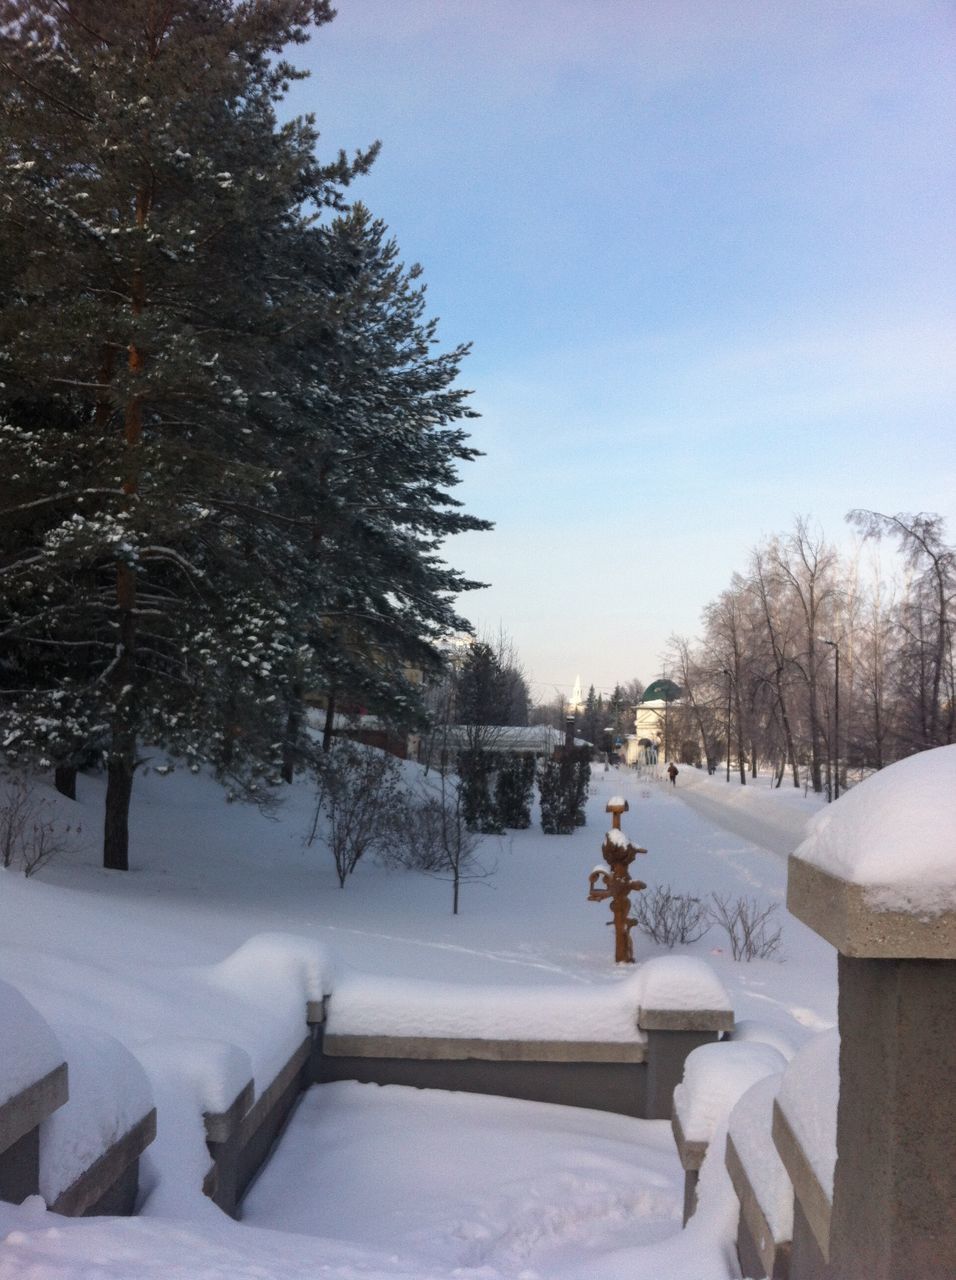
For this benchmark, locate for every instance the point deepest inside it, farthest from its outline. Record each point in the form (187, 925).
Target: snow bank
(895, 833)
(715, 1078)
(109, 1094)
(808, 1096)
(750, 1127)
(30, 1049)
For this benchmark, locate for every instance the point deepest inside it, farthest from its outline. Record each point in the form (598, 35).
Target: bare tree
(807, 565)
(357, 796)
(927, 616)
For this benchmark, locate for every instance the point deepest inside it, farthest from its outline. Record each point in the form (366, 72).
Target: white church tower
(576, 703)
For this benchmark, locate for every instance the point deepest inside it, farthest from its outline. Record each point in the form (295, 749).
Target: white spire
(577, 696)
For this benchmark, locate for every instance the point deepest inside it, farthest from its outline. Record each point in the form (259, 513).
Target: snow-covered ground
(170, 960)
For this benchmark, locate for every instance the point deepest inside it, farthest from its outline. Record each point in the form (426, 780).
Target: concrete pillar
(895, 1182)
(894, 1193)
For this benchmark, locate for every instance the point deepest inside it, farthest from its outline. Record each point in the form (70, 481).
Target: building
(656, 724)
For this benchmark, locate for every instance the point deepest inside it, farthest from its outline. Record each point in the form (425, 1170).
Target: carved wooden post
(618, 853)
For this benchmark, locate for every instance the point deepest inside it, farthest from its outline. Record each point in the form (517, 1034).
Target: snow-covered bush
(429, 833)
(670, 918)
(514, 791)
(358, 795)
(477, 769)
(748, 926)
(564, 785)
(29, 833)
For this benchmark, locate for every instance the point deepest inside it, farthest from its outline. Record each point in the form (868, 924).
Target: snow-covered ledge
(90, 1148)
(761, 1184)
(618, 1047)
(714, 1078)
(876, 876)
(804, 1134)
(33, 1085)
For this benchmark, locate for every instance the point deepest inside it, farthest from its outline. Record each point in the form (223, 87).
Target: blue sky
(705, 252)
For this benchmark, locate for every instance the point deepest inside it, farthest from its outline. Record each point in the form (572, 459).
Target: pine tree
(148, 189)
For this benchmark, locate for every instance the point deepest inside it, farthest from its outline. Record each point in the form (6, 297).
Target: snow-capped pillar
(877, 878)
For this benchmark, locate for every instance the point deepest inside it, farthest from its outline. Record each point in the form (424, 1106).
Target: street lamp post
(836, 715)
(729, 686)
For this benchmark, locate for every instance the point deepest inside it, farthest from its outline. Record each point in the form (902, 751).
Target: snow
(680, 982)
(615, 802)
(895, 833)
(809, 1094)
(750, 1128)
(30, 1049)
(752, 1029)
(109, 1094)
(617, 838)
(775, 818)
(715, 1077)
(396, 1007)
(546, 1188)
(200, 961)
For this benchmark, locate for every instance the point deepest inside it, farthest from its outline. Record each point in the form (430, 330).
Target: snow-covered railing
(76, 1114)
(240, 1137)
(715, 1076)
(803, 1125)
(761, 1184)
(615, 1048)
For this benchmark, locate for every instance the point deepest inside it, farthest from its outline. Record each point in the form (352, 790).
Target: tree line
(760, 684)
(229, 434)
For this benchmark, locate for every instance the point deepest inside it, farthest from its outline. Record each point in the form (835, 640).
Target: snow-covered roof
(530, 737)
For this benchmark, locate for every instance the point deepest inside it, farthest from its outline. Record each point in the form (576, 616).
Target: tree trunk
(64, 779)
(293, 723)
(122, 754)
(741, 759)
(121, 761)
(329, 723)
(119, 789)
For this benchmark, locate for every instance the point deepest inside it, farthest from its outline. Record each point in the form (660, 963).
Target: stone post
(894, 1188)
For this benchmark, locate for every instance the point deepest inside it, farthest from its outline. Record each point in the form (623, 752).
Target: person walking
(672, 772)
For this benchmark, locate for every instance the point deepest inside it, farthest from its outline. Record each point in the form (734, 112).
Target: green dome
(662, 691)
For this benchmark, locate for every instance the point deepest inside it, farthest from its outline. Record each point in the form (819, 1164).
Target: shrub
(564, 783)
(514, 791)
(748, 926)
(430, 834)
(358, 794)
(476, 769)
(670, 918)
(29, 836)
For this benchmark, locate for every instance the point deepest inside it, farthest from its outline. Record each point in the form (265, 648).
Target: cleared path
(773, 819)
